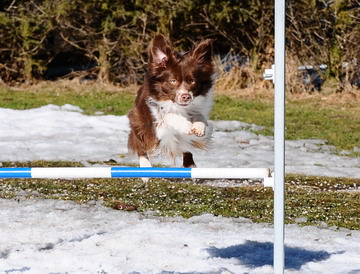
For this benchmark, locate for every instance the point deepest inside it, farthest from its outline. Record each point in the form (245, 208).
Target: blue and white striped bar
(137, 172)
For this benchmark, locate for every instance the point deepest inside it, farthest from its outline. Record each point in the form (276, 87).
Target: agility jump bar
(135, 172)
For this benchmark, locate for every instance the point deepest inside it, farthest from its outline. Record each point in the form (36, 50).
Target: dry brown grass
(241, 82)
(75, 86)
(245, 82)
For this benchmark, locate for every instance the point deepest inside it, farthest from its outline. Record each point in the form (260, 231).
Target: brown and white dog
(172, 107)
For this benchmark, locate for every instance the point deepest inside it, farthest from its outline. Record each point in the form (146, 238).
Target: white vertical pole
(279, 137)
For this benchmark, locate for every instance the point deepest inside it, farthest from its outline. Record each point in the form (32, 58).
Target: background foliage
(110, 38)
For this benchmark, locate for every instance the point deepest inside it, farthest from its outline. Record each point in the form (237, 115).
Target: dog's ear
(202, 52)
(160, 51)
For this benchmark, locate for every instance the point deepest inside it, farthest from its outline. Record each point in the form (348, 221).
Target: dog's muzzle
(184, 98)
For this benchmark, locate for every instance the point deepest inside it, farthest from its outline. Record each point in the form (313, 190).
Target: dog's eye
(173, 81)
(192, 82)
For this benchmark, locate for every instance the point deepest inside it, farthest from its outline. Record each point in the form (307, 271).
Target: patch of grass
(339, 124)
(249, 111)
(334, 201)
(315, 200)
(41, 163)
(92, 99)
(166, 197)
(227, 108)
(336, 122)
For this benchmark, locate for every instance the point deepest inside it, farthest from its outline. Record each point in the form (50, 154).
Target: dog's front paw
(198, 129)
(177, 122)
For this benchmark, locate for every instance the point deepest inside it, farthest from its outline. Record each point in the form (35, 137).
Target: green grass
(90, 99)
(249, 111)
(337, 124)
(318, 199)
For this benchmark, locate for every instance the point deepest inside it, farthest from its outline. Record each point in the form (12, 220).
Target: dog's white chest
(173, 126)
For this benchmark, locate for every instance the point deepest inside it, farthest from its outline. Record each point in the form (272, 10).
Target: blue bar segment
(15, 172)
(150, 172)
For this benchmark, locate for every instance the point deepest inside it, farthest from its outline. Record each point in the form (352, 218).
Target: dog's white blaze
(181, 91)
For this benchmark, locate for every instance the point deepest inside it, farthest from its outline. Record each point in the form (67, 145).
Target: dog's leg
(178, 123)
(188, 160)
(144, 162)
(199, 125)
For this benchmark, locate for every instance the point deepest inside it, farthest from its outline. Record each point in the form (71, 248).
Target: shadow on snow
(255, 254)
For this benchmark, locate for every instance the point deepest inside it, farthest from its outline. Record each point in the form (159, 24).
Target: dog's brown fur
(175, 84)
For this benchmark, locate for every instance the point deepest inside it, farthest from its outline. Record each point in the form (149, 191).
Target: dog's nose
(185, 97)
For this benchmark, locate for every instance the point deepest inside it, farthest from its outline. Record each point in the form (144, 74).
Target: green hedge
(116, 34)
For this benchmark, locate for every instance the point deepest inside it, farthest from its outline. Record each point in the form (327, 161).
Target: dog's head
(179, 77)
